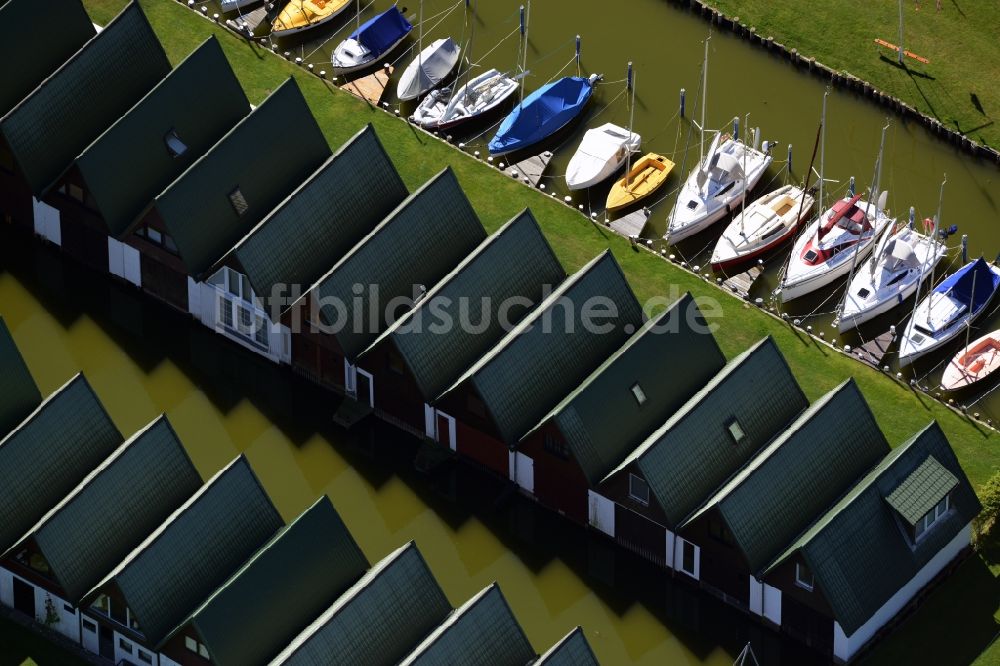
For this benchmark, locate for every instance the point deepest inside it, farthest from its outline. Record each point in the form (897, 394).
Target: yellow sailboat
(644, 178)
(300, 15)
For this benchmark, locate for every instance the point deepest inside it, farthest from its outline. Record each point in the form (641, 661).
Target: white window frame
(642, 500)
(694, 572)
(238, 312)
(638, 394)
(802, 582)
(931, 518)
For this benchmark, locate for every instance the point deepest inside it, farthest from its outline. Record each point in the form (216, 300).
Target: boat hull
(973, 364)
(785, 209)
(344, 69)
(622, 195)
(534, 121)
(443, 53)
(281, 33)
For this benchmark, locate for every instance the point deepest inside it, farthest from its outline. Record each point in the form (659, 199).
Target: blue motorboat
(543, 113)
(372, 40)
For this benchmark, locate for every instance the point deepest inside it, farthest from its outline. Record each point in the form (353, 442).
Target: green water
(665, 43)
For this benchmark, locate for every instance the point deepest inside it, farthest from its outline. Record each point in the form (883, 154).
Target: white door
(523, 472)
(130, 261)
(429, 421)
(445, 430)
(115, 265)
(47, 221)
(88, 632)
(688, 559)
(365, 387)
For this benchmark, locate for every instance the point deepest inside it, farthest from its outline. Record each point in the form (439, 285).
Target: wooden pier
(632, 224)
(741, 283)
(247, 24)
(873, 351)
(370, 88)
(530, 169)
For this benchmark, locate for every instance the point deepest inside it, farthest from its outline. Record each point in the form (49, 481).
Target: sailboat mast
(822, 151)
(937, 224)
(631, 117)
(420, 41)
(868, 210)
(357, 16)
(704, 98)
(525, 17)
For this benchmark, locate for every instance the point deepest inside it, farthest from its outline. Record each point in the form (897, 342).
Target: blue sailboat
(372, 40)
(543, 113)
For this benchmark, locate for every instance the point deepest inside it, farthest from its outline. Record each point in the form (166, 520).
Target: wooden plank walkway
(531, 169)
(873, 351)
(371, 87)
(741, 283)
(248, 23)
(632, 224)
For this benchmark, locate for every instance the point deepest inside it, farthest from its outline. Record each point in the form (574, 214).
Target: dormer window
(638, 394)
(735, 431)
(638, 489)
(931, 517)
(923, 499)
(175, 147)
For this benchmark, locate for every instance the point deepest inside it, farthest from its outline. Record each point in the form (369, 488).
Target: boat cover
(542, 113)
(901, 253)
(433, 64)
(379, 33)
(961, 287)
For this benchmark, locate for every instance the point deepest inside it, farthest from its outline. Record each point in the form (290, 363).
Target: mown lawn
(961, 84)
(900, 412)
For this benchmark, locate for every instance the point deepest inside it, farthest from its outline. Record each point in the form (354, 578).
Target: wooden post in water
(682, 102)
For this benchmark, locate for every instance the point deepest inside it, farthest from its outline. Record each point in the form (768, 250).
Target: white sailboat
(431, 66)
(721, 180)
(602, 151)
(832, 244)
(900, 263)
(764, 225)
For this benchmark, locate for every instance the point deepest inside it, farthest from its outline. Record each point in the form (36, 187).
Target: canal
(665, 43)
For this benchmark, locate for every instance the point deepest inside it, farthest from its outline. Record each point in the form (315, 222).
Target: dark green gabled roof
(32, 47)
(90, 91)
(670, 358)
(921, 491)
(129, 163)
(859, 552)
(19, 395)
(687, 458)
(49, 453)
(482, 632)
(282, 589)
(799, 475)
(378, 620)
(550, 351)
(323, 218)
(101, 520)
(515, 262)
(571, 650)
(266, 156)
(198, 547)
(417, 244)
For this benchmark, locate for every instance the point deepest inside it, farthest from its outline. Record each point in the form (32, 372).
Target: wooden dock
(873, 351)
(741, 283)
(370, 88)
(530, 169)
(247, 24)
(632, 224)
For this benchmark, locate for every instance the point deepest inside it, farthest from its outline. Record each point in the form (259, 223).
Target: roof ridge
(530, 319)
(444, 282)
(47, 400)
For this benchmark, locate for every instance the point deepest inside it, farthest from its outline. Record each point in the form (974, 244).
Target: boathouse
(612, 411)
(19, 395)
(223, 195)
(296, 243)
(49, 128)
(41, 461)
(161, 582)
(50, 43)
(86, 534)
(387, 272)
(797, 477)
(892, 533)
(276, 594)
(378, 620)
(459, 320)
(537, 363)
(481, 631)
(139, 155)
(707, 440)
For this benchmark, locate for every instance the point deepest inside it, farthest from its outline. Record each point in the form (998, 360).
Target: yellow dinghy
(646, 176)
(301, 15)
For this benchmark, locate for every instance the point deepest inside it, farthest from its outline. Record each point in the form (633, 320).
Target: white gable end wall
(845, 647)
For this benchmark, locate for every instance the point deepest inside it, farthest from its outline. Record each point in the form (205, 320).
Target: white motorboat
(901, 261)
(603, 150)
(949, 309)
(766, 224)
(843, 235)
(476, 98)
(372, 40)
